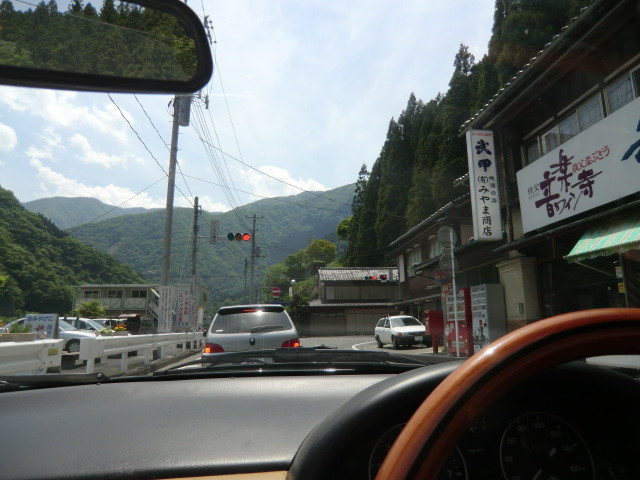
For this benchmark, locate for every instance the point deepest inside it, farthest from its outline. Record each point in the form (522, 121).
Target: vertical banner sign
(483, 183)
(44, 325)
(183, 310)
(165, 319)
(213, 231)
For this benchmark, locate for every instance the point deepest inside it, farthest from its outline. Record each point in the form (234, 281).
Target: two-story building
(350, 301)
(567, 131)
(564, 137)
(142, 299)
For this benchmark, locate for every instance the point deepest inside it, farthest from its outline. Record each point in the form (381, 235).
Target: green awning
(616, 237)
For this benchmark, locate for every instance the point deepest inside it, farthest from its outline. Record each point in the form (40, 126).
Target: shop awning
(620, 236)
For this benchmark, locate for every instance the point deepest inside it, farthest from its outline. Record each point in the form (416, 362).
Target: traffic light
(383, 278)
(240, 237)
(371, 277)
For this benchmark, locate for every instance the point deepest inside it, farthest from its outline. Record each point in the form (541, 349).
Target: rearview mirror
(150, 46)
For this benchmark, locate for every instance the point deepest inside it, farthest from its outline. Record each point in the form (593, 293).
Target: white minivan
(250, 327)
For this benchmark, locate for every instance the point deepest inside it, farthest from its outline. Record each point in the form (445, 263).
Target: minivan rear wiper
(266, 328)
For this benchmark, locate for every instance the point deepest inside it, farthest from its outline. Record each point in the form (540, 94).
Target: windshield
(404, 322)
(249, 320)
(465, 168)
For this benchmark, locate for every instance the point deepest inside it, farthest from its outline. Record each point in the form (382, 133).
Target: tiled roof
(430, 219)
(355, 273)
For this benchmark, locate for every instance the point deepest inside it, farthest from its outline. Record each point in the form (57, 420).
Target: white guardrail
(35, 357)
(103, 346)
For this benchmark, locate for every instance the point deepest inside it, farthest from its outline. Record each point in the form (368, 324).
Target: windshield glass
(248, 320)
(404, 322)
(462, 168)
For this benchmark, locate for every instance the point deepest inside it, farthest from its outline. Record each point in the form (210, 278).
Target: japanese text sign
(167, 300)
(183, 310)
(597, 166)
(483, 183)
(42, 323)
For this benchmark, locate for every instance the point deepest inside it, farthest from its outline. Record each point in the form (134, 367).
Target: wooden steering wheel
(446, 414)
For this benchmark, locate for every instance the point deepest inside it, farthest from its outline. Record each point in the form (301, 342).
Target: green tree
(322, 251)
(91, 308)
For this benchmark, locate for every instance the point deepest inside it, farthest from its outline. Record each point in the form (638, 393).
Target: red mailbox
(434, 323)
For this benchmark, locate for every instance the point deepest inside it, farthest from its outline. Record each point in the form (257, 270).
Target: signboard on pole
(43, 324)
(275, 291)
(183, 310)
(483, 183)
(213, 231)
(165, 314)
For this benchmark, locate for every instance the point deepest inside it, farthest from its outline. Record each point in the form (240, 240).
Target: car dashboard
(575, 421)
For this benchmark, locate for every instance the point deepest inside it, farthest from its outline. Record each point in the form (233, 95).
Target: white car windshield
(404, 322)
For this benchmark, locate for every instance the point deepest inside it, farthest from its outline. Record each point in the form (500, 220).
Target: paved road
(364, 342)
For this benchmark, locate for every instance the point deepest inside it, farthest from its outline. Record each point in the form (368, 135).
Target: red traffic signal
(239, 237)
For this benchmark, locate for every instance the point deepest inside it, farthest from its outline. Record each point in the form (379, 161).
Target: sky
(302, 91)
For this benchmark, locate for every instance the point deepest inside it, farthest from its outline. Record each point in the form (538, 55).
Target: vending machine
(464, 343)
(488, 314)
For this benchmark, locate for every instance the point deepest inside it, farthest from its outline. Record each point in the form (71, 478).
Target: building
(350, 301)
(554, 226)
(132, 298)
(567, 130)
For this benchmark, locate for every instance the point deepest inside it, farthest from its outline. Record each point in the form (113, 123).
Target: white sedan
(400, 330)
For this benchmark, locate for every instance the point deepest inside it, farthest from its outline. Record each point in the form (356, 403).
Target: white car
(70, 334)
(399, 330)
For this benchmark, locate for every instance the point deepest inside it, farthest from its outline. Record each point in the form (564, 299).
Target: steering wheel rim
(439, 422)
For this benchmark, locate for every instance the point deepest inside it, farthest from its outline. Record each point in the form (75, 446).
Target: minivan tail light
(292, 343)
(212, 348)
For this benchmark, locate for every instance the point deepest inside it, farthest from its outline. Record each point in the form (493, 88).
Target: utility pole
(168, 213)
(194, 248)
(246, 263)
(255, 253)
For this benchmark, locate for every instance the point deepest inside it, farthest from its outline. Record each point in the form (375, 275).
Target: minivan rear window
(250, 320)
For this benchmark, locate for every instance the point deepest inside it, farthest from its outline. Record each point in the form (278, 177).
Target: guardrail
(103, 346)
(23, 358)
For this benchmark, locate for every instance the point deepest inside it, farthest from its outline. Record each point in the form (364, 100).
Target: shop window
(532, 151)
(590, 113)
(620, 93)
(550, 140)
(568, 128)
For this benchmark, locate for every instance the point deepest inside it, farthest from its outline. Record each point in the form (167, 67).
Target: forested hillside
(39, 263)
(424, 152)
(285, 225)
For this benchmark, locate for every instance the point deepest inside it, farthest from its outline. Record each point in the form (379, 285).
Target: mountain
(68, 212)
(283, 224)
(40, 264)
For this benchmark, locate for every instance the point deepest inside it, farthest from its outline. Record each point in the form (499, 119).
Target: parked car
(400, 330)
(70, 334)
(84, 323)
(250, 327)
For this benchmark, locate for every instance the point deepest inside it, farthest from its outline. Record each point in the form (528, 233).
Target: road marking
(363, 343)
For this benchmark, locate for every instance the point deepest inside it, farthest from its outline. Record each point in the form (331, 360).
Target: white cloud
(64, 109)
(206, 202)
(269, 187)
(8, 138)
(110, 194)
(89, 155)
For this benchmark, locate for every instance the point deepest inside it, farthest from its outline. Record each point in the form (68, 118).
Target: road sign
(213, 232)
(275, 291)
(448, 264)
(447, 237)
